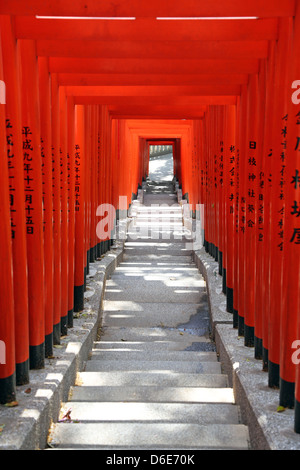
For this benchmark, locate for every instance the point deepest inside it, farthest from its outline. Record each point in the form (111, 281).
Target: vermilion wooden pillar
(95, 181)
(221, 189)
(56, 187)
(229, 205)
(278, 165)
(261, 222)
(80, 246)
(7, 321)
(87, 185)
(33, 201)
(236, 218)
(218, 156)
(16, 194)
(292, 227)
(290, 324)
(242, 125)
(71, 206)
(267, 156)
(251, 157)
(100, 171)
(46, 151)
(64, 208)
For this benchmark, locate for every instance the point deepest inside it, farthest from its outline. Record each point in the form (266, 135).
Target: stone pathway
(153, 380)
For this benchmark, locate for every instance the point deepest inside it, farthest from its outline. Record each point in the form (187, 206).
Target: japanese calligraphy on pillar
(231, 179)
(221, 165)
(68, 182)
(215, 171)
(295, 182)
(251, 185)
(281, 209)
(260, 207)
(77, 178)
(43, 179)
(237, 189)
(28, 178)
(10, 157)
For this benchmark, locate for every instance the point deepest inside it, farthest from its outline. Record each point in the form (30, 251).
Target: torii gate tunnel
(86, 88)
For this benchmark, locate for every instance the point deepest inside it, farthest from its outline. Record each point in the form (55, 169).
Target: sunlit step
(209, 367)
(197, 413)
(168, 379)
(190, 356)
(147, 435)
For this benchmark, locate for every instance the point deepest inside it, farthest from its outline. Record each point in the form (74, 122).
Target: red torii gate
(106, 87)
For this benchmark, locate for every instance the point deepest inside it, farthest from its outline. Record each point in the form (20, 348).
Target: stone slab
(196, 413)
(133, 435)
(169, 378)
(210, 367)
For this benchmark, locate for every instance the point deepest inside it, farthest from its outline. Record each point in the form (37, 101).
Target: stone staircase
(153, 380)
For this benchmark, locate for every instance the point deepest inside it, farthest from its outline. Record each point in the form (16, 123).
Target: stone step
(153, 394)
(156, 258)
(168, 379)
(167, 235)
(170, 262)
(208, 367)
(184, 356)
(159, 252)
(128, 313)
(136, 292)
(166, 278)
(157, 246)
(147, 334)
(166, 346)
(174, 271)
(159, 282)
(150, 435)
(197, 413)
(162, 272)
(158, 214)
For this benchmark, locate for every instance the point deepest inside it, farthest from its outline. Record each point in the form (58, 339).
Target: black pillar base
(229, 299)
(216, 254)
(273, 374)
(265, 359)
(235, 318)
(297, 417)
(78, 298)
(8, 389)
(85, 273)
(70, 318)
(287, 394)
(220, 263)
(37, 356)
(88, 262)
(249, 336)
(241, 325)
(64, 325)
(56, 333)
(22, 373)
(257, 348)
(98, 250)
(224, 284)
(49, 345)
